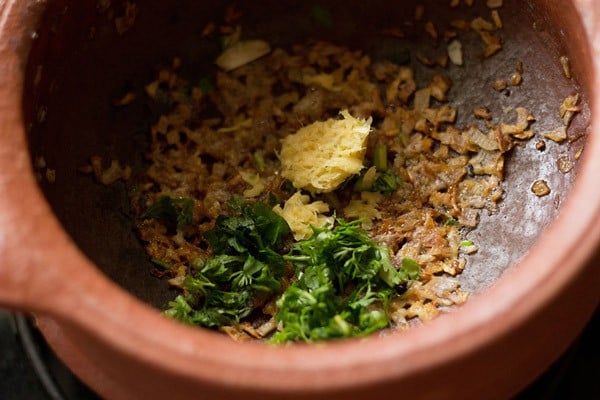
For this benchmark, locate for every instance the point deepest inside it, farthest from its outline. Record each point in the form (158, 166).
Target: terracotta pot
(124, 349)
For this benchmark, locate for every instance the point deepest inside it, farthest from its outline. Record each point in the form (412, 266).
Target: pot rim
(204, 355)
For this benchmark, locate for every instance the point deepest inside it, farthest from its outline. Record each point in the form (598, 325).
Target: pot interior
(80, 63)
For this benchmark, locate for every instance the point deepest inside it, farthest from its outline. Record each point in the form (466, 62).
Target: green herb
(256, 231)
(410, 269)
(451, 222)
(235, 204)
(344, 280)
(220, 308)
(380, 158)
(288, 186)
(341, 274)
(273, 199)
(173, 211)
(245, 260)
(466, 243)
(161, 264)
(386, 183)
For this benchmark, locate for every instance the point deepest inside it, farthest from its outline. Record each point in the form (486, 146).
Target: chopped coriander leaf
(174, 211)
(220, 290)
(288, 186)
(273, 199)
(180, 309)
(344, 283)
(451, 222)
(378, 178)
(388, 273)
(346, 250)
(344, 280)
(219, 308)
(306, 313)
(256, 231)
(466, 243)
(410, 269)
(257, 275)
(386, 183)
(236, 203)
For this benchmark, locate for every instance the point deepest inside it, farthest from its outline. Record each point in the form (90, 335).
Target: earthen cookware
(69, 254)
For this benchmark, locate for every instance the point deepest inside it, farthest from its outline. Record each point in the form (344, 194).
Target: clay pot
(516, 324)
